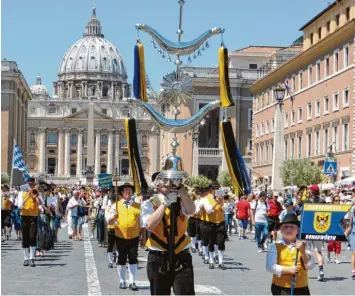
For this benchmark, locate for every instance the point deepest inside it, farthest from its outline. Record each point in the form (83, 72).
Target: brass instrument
(33, 193)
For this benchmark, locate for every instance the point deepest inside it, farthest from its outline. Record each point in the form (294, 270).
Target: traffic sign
(330, 168)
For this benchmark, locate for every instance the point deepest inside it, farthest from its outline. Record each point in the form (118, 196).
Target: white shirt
(113, 212)
(147, 209)
(271, 260)
(203, 201)
(73, 202)
(20, 200)
(260, 211)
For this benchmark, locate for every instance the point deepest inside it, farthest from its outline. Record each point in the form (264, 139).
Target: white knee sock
(220, 257)
(25, 253)
(132, 270)
(32, 253)
(211, 257)
(199, 245)
(193, 242)
(215, 250)
(122, 273)
(205, 251)
(110, 256)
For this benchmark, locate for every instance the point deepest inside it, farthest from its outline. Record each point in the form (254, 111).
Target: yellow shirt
(6, 203)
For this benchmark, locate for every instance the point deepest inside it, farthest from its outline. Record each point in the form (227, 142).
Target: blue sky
(37, 33)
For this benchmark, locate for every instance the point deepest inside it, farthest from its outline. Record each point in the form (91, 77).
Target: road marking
(91, 271)
(142, 259)
(203, 289)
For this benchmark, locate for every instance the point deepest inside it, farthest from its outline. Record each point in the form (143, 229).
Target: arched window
(73, 139)
(144, 141)
(32, 138)
(103, 169)
(105, 91)
(104, 139)
(73, 170)
(52, 137)
(123, 141)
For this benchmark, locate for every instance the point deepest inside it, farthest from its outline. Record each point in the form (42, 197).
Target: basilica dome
(39, 90)
(93, 53)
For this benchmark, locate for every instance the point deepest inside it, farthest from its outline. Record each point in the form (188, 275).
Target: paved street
(80, 268)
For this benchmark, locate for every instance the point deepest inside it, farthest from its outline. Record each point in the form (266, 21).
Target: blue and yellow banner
(323, 222)
(105, 180)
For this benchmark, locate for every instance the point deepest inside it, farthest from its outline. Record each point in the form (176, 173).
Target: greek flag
(19, 162)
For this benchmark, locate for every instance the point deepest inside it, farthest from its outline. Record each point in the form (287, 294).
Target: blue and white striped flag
(19, 163)
(288, 89)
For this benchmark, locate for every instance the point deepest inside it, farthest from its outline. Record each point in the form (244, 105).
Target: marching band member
(111, 236)
(125, 214)
(6, 204)
(29, 203)
(156, 218)
(213, 229)
(192, 225)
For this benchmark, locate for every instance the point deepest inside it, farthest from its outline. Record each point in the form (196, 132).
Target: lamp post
(195, 136)
(278, 153)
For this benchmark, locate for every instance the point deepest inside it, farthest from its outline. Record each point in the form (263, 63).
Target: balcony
(202, 72)
(51, 144)
(210, 156)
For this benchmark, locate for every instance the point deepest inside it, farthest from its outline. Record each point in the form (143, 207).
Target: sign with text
(105, 180)
(323, 222)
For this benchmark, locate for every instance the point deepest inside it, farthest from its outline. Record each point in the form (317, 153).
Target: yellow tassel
(225, 93)
(132, 163)
(142, 73)
(236, 187)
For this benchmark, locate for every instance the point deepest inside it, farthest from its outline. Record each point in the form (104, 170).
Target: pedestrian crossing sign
(330, 168)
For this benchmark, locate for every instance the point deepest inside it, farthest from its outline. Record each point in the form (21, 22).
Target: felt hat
(290, 219)
(127, 184)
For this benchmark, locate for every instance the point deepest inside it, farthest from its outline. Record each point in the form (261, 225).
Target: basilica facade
(92, 70)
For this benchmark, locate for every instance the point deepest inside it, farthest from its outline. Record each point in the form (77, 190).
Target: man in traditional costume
(28, 203)
(156, 218)
(125, 214)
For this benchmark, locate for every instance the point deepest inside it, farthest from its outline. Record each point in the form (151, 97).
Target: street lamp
(279, 94)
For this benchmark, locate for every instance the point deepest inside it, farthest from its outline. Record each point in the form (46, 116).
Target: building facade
(320, 116)
(202, 151)
(15, 96)
(91, 70)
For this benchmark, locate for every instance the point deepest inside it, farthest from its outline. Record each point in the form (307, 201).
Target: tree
(305, 172)
(5, 178)
(224, 179)
(200, 181)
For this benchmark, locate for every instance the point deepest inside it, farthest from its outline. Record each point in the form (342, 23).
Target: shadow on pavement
(334, 278)
(52, 265)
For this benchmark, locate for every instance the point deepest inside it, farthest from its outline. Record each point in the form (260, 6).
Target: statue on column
(110, 93)
(118, 93)
(79, 92)
(98, 91)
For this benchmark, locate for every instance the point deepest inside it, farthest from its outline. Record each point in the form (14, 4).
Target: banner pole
(12, 165)
(297, 253)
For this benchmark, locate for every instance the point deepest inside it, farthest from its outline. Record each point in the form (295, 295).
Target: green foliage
(5, 178)
(305, 172)
(224, 179)
(200, 181)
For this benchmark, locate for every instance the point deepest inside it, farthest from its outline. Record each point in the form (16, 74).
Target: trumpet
(34, 193)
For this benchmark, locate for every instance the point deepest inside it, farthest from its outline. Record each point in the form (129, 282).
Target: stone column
(279, 151)
(97, 152)
(67, 153)
(109, 152)
(195, 153)
(155, 153)
(42, 150)
(79, 153)
(60, 152)
(117, 151)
